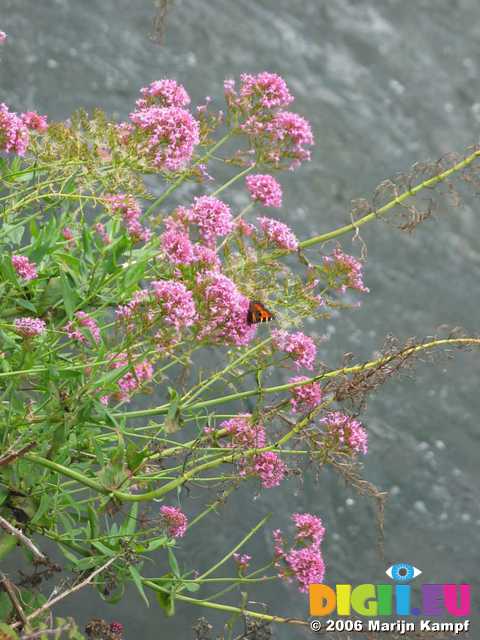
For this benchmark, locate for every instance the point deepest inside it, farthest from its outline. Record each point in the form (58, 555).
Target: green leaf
(70, 297)
(167, 602)
(129, 526)
(5, 606)
(134, 456)
(45, 501)
(191, 586)
(51, 295)
(172, 561)
(69, 555)
(173, 421)
(103, 548)
(137, 579)
(8, 632)
(155, 544)
(93, 521)
(26, 305)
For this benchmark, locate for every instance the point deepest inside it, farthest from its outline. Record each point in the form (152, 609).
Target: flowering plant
(118, 285)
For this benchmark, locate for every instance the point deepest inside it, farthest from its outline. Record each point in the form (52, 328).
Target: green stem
(163, 409)
(431, 182)
(225, 607)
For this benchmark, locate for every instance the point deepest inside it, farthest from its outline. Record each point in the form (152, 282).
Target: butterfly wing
(257, 312)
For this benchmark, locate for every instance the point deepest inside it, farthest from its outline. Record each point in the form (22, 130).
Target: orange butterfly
(257, 312)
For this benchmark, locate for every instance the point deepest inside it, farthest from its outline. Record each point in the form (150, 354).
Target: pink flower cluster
(176, 302)
(131, 381)
(130, 211)
(299, 346)
(30, 327)
(303, 561)
(265, 189)
(347, 431)
(163, 93)
(24, 268)
(344, 271)
(305, 397)
(102, 232)
(85, 321)
(3, 37)
(278, 233)
(264, 90)
(14, 135)
(116, 628)
(310, 528)
(270, 468)
(34, 121)
(225, 309)
(243, 433)
(289, 134)
(169, 135)
(277, 135)
(242, 561)
(213, 218)
(175, 521)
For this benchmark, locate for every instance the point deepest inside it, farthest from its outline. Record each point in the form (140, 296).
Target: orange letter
(322, 600)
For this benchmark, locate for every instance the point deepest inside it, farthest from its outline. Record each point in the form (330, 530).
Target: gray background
(385, 84)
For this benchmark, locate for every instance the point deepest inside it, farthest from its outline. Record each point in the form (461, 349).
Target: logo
(376, 600)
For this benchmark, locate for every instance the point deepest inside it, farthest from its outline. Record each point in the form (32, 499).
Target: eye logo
(402, 572)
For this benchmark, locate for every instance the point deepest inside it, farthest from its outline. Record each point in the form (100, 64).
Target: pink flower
(130, 210)
(265, 89)
(175, 521)
(130, 382)
(344, 271)
(83, 320)
(224, 311)
(270, 468)
(163, 93)
(347, 431)
(243, 433)
(278, 233)
(244, 228)
(304, 560)
(176, 301)
(3, 37)
(14, 134)
(265, 189)
(309, 528)
(139, 304)
(34, 121)
(307, 566)
(102, 232)
(305, 397)
(299, 346)
(24, 268)
(176, 245)
(207, 256)
(242, 561)
(116, 628)
(171, 135)
(30, 327)
(67, 233)
(213, 218)
(291, 133)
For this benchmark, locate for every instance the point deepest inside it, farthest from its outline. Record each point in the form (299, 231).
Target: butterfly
(257, 312)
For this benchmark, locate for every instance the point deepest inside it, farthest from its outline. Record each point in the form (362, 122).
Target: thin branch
(14, 455)
(21, 537)
(10, 590)
(61, 596)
